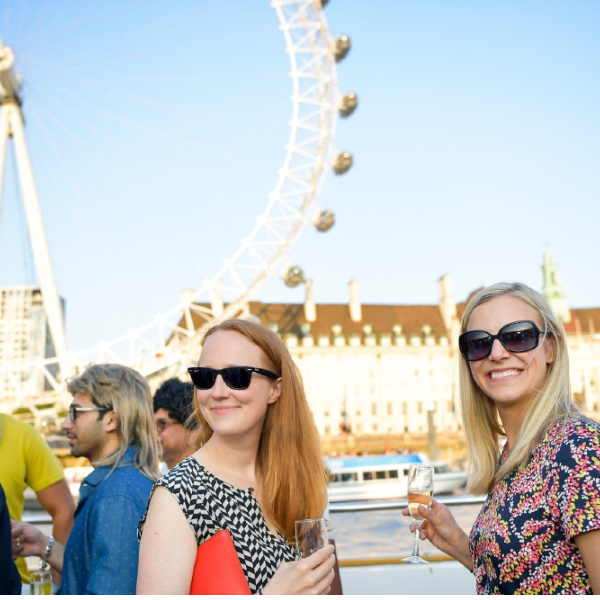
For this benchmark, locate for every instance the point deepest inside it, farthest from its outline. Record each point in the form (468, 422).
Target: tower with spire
(552, 289)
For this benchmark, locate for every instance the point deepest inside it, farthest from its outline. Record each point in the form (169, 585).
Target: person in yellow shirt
(26, 460)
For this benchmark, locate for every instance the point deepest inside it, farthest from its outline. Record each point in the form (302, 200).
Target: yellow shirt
(25, 460)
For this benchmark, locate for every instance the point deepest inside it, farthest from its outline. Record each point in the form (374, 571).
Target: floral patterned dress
(522, 540)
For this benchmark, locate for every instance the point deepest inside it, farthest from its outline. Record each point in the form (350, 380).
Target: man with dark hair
(173, 406)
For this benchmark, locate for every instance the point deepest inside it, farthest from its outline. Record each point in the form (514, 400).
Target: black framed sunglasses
(73, 410)
(236, 378)
(519, 336)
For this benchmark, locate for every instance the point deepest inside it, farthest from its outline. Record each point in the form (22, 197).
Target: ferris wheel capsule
(293, 277)
(348, 104)
(341, 47)
(325, 220)
(343, 161)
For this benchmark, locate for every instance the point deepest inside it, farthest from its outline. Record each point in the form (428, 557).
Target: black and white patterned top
(210, 504)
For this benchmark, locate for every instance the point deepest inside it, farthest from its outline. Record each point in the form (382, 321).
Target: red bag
(218, 570)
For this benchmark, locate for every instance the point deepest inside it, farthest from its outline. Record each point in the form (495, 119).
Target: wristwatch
(49, 545)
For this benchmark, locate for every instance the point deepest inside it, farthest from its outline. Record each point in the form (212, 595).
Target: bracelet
(48, 551)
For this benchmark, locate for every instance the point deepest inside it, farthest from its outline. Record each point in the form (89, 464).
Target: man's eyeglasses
(162, 424)
(236, 378)
(73, 410)
(519, 336)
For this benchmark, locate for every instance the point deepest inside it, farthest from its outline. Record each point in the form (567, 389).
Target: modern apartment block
(24, 336)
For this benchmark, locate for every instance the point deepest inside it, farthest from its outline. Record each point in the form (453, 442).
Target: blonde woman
(539, 528)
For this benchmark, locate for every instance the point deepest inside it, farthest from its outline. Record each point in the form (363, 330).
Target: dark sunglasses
(519, 336)
(237, 378)
(73, 410)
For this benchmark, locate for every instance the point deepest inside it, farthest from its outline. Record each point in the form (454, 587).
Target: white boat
(384, 477)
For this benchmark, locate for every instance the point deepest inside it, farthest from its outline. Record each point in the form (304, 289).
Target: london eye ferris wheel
(147, 192)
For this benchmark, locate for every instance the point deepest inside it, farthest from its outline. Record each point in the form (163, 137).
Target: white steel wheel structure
(169, 343)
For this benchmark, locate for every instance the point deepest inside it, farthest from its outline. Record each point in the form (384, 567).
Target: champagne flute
(311, 535)
(420, 493)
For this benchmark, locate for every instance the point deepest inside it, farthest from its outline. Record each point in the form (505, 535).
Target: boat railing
(364, 505)
(376, 575)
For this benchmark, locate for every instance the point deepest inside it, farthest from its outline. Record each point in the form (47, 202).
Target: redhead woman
(258, 470)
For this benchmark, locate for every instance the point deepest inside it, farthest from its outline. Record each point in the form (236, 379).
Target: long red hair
(289, 458)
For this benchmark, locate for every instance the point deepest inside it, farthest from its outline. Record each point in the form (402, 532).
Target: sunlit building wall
(385, 369)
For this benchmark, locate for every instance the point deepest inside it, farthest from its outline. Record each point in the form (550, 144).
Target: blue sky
(156, 131)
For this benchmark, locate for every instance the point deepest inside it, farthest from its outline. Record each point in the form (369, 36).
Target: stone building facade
(393, 369)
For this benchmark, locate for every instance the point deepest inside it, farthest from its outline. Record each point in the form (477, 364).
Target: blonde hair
(550, 404)
(127, 393)
(289, 458)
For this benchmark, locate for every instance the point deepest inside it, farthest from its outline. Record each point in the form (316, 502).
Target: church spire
(552, 288)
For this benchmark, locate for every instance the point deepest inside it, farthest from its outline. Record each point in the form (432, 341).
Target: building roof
(383, 319)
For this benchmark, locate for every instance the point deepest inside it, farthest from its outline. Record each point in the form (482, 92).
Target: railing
(386, 574)
(466, 500)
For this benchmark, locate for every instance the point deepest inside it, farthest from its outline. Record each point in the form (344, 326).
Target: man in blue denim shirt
(110, 421)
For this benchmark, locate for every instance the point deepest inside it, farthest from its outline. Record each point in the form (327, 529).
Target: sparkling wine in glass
(420, 493)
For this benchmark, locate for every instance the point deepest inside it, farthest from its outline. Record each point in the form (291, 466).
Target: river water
(385, 533)
(373, 533)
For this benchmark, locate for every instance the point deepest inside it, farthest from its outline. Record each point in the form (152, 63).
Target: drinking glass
(420, 493)
(311, 535)
(41, 582)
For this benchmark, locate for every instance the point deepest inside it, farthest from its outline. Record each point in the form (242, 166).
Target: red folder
(218, 570)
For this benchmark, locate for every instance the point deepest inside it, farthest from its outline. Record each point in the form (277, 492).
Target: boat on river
(385, 477)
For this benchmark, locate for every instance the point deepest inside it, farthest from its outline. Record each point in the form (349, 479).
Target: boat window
(393, 474)
(339, 477)
(367, 476)
(381, 474)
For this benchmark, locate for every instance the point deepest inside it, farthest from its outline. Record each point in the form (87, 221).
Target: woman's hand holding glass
(311, 535)
(310, 575)
(420, 493)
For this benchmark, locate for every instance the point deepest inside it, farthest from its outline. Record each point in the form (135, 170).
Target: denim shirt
(101, 555)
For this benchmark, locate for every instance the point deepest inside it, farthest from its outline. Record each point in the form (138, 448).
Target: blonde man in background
(110, 422)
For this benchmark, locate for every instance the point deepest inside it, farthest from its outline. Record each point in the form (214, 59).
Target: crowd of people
(241, 453)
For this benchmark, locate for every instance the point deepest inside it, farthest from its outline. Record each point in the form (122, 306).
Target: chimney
(310, 308)
(448, 307)
(187, 298)
(355, 309)
(217, 299)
